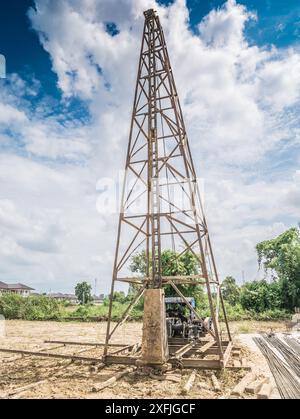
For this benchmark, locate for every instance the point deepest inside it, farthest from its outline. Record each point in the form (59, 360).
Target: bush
(13, 306)
(234, 312)
(10, 306)
(261, 296)
(270, 315)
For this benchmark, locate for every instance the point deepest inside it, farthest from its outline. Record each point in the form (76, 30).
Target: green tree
(83, 292)
(119, 296)
(260, 296)
(230, 290)
(173, 264)
(281, 257)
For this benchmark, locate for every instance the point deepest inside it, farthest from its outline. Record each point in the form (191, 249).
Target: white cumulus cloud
(240, 103)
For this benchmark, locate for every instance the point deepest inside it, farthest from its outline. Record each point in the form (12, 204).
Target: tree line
(277, 294)
(280, 260)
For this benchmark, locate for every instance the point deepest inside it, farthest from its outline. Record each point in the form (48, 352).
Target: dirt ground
(59, 378)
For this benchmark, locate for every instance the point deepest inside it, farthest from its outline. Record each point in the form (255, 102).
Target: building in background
(19, 289)
(67, 298)
(98, 300)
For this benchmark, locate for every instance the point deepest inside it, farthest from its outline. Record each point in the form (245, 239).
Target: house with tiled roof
(20, 289)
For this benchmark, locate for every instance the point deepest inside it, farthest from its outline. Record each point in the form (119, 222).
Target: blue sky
(64, 120)
(20, 44)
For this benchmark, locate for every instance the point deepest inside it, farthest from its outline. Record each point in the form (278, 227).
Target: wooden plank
(239, 368)
(181, 351)
(112, 380)
(240, 387)
(189, 384)
(206, 347)
(237, 363)
(216, 383)
(214, 350)
(18, 390)
(118, 351)
(114, 359)
(265, 392)
(174, 378)
(255, 386)
(198, 363)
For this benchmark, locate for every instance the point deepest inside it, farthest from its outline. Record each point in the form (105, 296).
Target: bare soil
(65, 379)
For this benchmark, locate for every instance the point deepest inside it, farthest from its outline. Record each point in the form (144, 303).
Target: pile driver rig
(159, 170)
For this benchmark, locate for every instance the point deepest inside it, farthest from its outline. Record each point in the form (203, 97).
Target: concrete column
(155, 349)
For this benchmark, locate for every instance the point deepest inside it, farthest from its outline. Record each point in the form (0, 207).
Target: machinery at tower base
(181, 321)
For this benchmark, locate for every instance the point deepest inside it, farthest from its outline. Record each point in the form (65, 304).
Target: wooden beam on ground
(265, 392)
(206, 347)
(240, 387)
(238, 368)
(209, 364)
(50, 355)
(118, 351)
(214, 350)
(255, 386)
(112, 380)
(216, 383)
(190, 382)
(18, 390)
(121, 360)
(186, 348)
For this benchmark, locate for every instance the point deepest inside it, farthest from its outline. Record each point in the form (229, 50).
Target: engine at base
(182, 322)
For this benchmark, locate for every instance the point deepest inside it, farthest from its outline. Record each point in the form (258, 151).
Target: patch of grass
(244, 328)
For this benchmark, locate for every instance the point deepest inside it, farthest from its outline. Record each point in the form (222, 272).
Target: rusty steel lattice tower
(161, 209)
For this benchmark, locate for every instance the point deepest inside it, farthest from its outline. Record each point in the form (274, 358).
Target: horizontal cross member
(192, 279)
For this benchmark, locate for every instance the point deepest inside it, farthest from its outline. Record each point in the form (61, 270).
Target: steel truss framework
(161, 207)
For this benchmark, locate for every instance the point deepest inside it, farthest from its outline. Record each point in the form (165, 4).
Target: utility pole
(96, 280)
